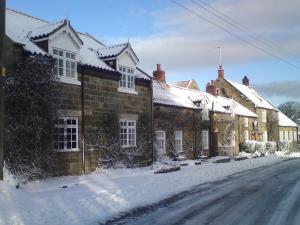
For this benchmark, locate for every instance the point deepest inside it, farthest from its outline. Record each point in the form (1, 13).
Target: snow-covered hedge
(283, 146)
(260, 147)
(248, 146)
(271, 147)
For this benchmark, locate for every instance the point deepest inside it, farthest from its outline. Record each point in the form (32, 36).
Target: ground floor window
(246, 135)
(178, 140)
(286, 135)
(65, 135)
(161, 140)
(295, 135)
(205, 139)
(281, 138)
(291, 136)
(128, 133)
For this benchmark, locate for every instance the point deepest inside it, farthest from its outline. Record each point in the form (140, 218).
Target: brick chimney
(220, 72)
(211, 88)
(159, 74)
(245, 81)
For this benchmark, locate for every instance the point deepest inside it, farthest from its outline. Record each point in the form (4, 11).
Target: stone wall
(101, 98)
(169, 119)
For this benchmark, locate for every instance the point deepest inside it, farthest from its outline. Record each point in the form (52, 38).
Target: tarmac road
(264, 196)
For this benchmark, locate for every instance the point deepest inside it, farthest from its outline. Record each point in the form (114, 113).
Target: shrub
(283, 146)
(248, 146)
(271, 147)
(260, 147)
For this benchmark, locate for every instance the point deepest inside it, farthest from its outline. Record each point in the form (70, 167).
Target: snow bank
(96, 197)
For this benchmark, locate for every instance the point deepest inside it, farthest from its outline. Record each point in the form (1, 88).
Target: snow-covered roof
(284, 121)
(236, 107)
(22, 28)
(111, 51)
(45, 30)
(252, 95)
(169, 94)
(183, 83)
(140, 74)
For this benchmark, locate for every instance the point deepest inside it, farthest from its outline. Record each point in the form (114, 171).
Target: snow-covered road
(268, 195)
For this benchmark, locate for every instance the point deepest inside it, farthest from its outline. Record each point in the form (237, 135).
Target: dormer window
(127, 78)
(65, 64)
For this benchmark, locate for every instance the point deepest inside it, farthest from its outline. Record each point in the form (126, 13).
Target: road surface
(264, 196)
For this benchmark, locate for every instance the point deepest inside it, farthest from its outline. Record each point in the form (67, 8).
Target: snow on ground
(94, 198)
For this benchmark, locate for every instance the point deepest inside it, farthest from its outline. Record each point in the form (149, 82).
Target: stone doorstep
(239, 158)
(198, 163)
(224, 160)
(169, 170)
(183, 164)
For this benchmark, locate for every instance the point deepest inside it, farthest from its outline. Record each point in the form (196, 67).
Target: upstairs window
(65, 135)
(127, 77)
(178, 140)
(264, 116)
(65, 64)
(127, 133)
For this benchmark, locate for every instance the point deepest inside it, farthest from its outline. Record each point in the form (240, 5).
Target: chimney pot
(220, 72)
(159, 74)
(245, 81)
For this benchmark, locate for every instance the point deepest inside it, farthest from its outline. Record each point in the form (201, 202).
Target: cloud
(289, 89)
(183, 42)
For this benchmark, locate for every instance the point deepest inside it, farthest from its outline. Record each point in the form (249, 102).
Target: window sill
(68, 150)
(127, 90)
(127, 146)
(68, 81)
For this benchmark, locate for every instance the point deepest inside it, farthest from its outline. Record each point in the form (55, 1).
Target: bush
(283, 146)
(260, 147)
(248, 146)
(271, 147)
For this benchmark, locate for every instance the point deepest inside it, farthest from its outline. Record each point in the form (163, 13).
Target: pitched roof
(170, 94)
(140, 74)
(192, 84)
(111, 51)
(22, 28)
(252, 95)
(284, 121)
(236, 107)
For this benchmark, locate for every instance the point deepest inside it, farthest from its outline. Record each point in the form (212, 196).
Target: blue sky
(184, 44)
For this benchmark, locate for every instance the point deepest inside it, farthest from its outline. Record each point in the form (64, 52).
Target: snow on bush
(260, 147)
(248, 146)
(271, 147)
(283, 146)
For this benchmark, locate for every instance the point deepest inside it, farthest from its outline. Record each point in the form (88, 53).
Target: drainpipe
(212, 130)
(152, 122)
(82, 120)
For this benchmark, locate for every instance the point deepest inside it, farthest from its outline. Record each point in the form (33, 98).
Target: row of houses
(110, 105)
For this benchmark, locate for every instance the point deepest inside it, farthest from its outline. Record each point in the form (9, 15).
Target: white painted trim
(68, 81)
(67, 150)
(127, 90)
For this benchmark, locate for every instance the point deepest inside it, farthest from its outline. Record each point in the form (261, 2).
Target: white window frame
(246, 135)
(264, 116)
(65, 126)
(127, 133)
(205, 139)
(127, 80)
(178, 140)
(246, 122)
(66, 58)
(295, 135)
(281, 135)
(160, 140)
(265, 136)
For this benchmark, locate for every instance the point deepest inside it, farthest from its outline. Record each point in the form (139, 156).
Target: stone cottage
(102, 91)
(190, 123)
(270, 124)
